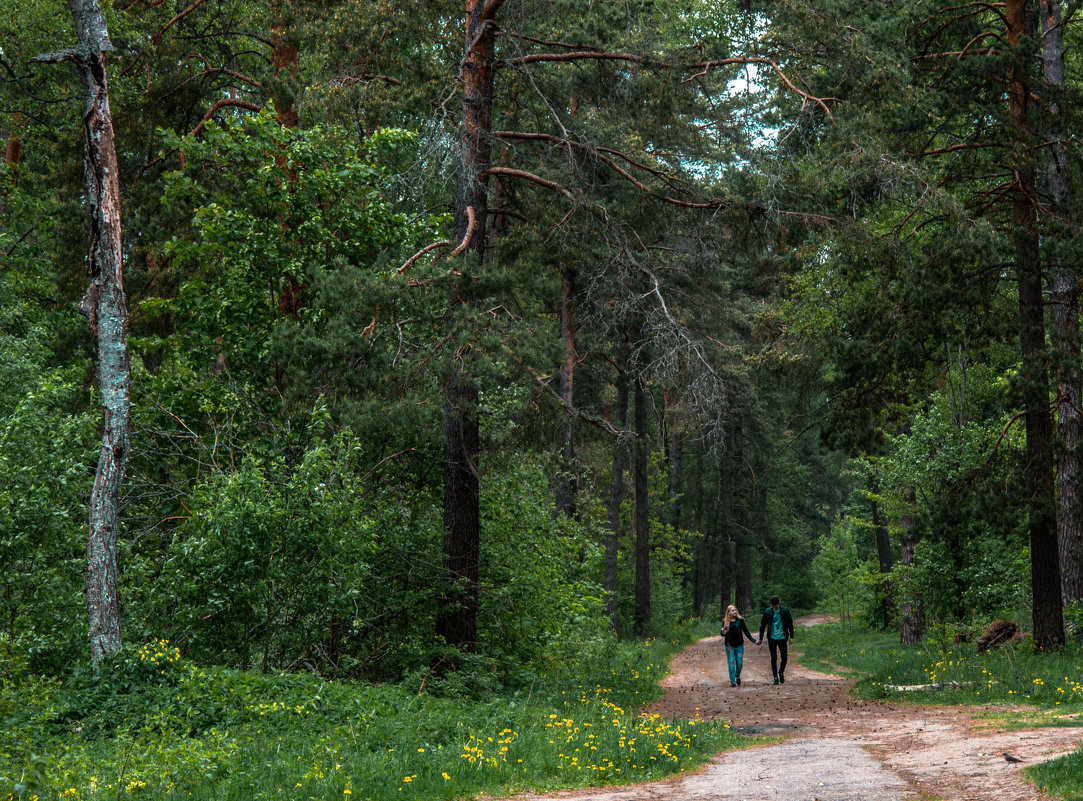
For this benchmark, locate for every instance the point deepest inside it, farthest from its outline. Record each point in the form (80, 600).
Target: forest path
(838, 748)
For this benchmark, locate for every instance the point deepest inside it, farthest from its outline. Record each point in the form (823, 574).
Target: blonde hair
(729, 618)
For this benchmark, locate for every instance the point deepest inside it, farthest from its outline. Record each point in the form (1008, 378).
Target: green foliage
(1012, 674)
(293, 249)
(46, 445)
(1073, 618)
(267, 570)
(157, 725)
(542, 606)
(839, 573)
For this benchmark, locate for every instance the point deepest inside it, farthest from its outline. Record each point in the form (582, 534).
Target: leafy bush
(159, 726)
(46, 443)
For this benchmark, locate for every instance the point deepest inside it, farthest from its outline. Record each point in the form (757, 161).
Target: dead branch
(218, 105)
(420, 253)
(215, 71)
(529, 176)
(953, 148)
(181, 15)
(577, 55)
(989, 51)
(705, 65)
(545, 42)
(347, 80)
(600, 422)
(471, 227)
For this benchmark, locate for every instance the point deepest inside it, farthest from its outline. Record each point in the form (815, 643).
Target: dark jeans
(777, 647)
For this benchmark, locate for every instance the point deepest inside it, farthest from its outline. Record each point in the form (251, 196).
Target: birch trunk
(106, 310)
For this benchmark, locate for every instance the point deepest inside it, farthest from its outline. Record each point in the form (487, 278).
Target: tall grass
(953, 673)
(164, 728)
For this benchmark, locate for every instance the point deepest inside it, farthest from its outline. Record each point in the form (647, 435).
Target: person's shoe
(781, 679)
(733, 684)
(738, 681)
(776, 679)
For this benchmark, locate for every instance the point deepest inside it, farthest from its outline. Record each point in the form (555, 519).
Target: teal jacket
(787, 621)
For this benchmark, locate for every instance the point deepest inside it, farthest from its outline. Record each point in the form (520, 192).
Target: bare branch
(471, 227)
(347, 80)
(181, 15)
(705, 65)
(545, 42)
(963, 146)
(420, 253)
(56, 57)
(574, 56)
(220, 104)
(529, 176)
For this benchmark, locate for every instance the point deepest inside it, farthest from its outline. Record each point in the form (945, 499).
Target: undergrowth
(153, 725)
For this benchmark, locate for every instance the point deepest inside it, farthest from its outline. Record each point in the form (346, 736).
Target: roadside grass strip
(189, 732)
(1014, 686)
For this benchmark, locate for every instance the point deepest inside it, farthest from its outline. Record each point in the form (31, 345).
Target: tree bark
(1045, 568)
(568, 480)
(284, 65)
(676, 478)
(726, 524)
(106, 310)
(1064, 311)
(885, 557)
(457, 619)
(742, 564)
(13, 151)
(911, 616)
(642, 521)
(616, 490)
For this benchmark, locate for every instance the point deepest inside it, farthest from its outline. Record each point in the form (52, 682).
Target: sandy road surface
(838, 749)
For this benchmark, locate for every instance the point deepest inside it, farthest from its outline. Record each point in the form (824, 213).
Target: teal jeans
(735, 658)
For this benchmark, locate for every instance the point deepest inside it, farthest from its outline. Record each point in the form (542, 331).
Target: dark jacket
(787, 621)
(734, 632)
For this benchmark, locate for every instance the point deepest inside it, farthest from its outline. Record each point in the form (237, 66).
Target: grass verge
(1015, 687)
(154, 726)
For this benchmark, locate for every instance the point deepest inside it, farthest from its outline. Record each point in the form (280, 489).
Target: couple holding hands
(777, 622)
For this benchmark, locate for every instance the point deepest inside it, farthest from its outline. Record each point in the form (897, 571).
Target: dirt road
(838, 749)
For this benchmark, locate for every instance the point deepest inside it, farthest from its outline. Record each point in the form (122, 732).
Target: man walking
(778, 622)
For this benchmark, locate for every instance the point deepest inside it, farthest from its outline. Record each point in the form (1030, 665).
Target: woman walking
(734, 630)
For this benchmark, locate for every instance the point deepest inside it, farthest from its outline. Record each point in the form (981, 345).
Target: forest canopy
(446, 342)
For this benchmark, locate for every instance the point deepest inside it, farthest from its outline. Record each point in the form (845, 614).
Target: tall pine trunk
(1064, 310)
(911, 614)
(1038, 475)
(616, 489)
(676, 478)
(742, 571)
(567, 481)
(886, 559)
(457, 618)
(642, 509)
(726, 524)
